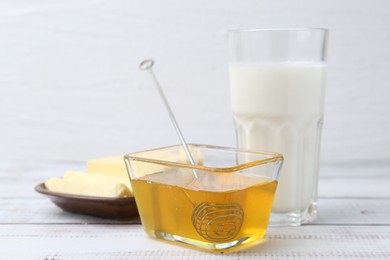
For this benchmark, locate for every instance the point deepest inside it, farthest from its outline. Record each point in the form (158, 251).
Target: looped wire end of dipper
(147, 65)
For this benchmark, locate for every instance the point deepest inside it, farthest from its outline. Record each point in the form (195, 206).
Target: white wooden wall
(70, 88)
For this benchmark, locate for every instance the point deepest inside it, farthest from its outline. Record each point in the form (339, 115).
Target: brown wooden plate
(114, 208)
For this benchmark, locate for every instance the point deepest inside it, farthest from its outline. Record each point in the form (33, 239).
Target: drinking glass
(277, 84)
(217, 205)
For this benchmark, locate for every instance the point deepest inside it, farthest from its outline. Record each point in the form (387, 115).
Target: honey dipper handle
(147, 65)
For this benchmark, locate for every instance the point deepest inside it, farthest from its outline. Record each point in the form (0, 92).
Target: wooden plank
(333, 188)
(355, 171)
(355, 188)
(41, 169)
(43, 211)
(331, 212)
(19, 180)
(49, 168)
(124, 241)
(353, 212)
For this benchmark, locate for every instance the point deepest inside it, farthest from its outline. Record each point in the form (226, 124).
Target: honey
(216, 211)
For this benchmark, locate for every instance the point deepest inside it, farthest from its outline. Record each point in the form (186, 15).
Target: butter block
(99, 185)
(114, 166)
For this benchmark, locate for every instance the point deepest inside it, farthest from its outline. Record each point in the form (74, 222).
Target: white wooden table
(353, 222)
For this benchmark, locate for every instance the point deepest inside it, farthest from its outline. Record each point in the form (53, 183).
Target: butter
(114, 166)
(99, 185)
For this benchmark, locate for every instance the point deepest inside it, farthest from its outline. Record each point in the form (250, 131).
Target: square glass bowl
(220, 204)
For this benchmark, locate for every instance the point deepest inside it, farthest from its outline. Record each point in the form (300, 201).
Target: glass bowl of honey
(219, 204)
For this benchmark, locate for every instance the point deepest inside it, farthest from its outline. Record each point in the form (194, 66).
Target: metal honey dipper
(214, 215)
(147, 65)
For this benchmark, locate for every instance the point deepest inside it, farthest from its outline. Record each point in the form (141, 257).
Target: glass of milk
(277, 84)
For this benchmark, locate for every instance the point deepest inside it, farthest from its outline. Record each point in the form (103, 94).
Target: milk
(278, 107)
